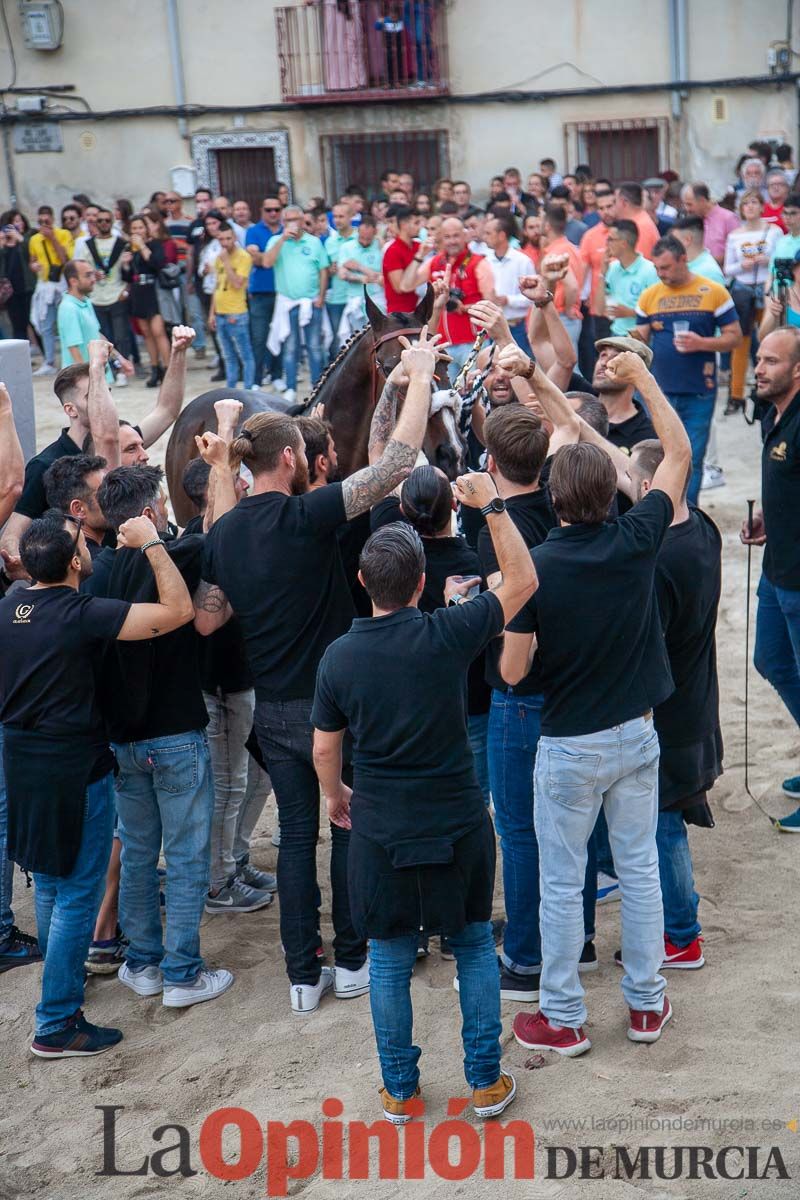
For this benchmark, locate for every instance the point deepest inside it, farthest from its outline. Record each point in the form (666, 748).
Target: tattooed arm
(211, 608)
(385, 416)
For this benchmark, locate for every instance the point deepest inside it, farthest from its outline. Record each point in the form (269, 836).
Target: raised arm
(514, 561)
(270, 256)
(384, 418)
(12, 462)
(526, 375)
(213, 449)
(172, 390)
(366, 487)
(103, 415)
(672, 472)
(174, 607)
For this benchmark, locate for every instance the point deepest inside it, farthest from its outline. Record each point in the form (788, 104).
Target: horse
(348, 390)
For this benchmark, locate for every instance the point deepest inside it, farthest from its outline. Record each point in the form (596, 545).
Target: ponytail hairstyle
(262, 440)
(427, 501)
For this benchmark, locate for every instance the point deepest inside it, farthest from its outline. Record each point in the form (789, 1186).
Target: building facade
(326, 93)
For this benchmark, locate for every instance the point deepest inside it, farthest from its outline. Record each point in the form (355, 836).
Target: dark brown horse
(348, 390)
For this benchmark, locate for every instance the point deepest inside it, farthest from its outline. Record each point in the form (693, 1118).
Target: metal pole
(176, 56)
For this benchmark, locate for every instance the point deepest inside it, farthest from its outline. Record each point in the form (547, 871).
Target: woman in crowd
(747, 254)
(442, 191)
(140, 267)
(15, 236)
(775, 310)
(209, 249)
(168, 289)
(537, 187)
(123, 211)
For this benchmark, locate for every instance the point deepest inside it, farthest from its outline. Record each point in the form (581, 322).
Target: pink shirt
(718, 224)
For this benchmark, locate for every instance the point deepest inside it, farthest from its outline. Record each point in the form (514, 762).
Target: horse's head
(443, 445)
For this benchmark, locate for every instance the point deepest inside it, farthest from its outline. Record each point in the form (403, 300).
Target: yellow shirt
(228, 299)
(40, 248)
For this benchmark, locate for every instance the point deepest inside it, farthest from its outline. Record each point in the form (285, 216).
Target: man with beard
(71, 485)
(59, 769)
(777, 528)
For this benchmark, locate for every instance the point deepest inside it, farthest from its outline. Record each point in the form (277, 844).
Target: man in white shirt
(508, 266)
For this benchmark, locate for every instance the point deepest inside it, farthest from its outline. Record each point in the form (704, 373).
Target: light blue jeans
(459, 354)
(391, 962)
(165, 792)
(197, 318)
(618, 769)
(48, 332)
(6, 865)
(66, 910)
(310, 336)
(233, 334)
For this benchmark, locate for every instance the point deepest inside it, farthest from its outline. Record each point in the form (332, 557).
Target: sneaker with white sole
(305, 997)
(289, 395)
(45, 369)
(347, 984)
(278, 385)
(607, 888)
(262, 881)
(146, 981)
(713, 477)
(237, 897)
(647, 1026)
(121, 380)
(275, 840)
(207, 986)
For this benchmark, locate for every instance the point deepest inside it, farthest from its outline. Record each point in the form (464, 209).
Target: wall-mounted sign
(38, 138)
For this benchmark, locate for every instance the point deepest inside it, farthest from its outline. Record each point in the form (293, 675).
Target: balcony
(350, 50)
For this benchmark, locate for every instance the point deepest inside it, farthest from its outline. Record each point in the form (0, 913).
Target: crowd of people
(528, 649)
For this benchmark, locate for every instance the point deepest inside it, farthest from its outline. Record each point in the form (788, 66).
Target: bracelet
(150, 544)
(418, 260)
(548, 299)
(528, 373)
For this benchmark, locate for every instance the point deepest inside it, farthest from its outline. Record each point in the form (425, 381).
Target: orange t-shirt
(648, 233)
(592, 249)
(563, 246)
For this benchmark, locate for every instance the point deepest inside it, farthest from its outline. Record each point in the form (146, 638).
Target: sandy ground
(730, 1055)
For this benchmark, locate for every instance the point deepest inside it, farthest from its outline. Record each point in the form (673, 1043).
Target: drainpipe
(177, 63)
(678, 35)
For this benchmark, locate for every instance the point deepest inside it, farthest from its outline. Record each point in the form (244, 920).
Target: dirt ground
(724, 1074)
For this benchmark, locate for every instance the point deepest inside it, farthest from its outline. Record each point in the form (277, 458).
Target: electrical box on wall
(42, 23)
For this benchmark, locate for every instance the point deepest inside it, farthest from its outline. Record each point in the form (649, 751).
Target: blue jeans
(459, 355)
(478, 728)
(6, 865)
(618, 769)
(233, 332)
(311, 336)
(262, 306)
(334, 316)
(66, 909)
(777, 651)
(165, 793)
(696, 412)
(197, 318)
(283, 728)
(514, 728)
(391, 962)
(48, 332)
(677, 881)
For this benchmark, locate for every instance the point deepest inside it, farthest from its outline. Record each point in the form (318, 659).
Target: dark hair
(506, 222)
(783, 153)
(8, 218)
(556, 217)
(47, 547)
(70, 271)
(647, 456)
(602, 182)
(583, 481)
(127, 491)
(427, 500)
(692, 224)
(44, 208)
(206, 192)
(501, 198)
(629, 231)
(391, 564)
(70, 208)
(701, 190)
(126, 212)
(65, 479)
(560, 192)
(792, 200)
(547, 162)
(448, 208)
(157, 218)
(669, 244)
(517, 442)
(81, 199)
(195, 479)
(400, 212)
(593, 411)
(368, 219)
(632, 192)
(67, 377)
(261, 441)
(225, 227)
(316, 434)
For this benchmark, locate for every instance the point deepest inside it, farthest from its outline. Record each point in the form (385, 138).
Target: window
(619, 150)
(363, 157)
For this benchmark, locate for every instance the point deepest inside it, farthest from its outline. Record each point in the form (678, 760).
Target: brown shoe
(396, 1111)
(491, 1101)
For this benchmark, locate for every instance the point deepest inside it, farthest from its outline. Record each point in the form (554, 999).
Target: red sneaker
(535, 1032)
(683, 958)
(647, 1026)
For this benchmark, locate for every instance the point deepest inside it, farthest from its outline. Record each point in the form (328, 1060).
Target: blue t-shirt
(262, 279)
(704, 307)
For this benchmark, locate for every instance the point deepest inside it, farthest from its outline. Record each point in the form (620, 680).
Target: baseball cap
(655, 181)
(627, 343)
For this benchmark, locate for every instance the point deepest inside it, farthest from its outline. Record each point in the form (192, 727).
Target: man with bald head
(471, 280)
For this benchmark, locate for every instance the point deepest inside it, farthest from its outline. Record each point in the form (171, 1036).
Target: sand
(730, 1054)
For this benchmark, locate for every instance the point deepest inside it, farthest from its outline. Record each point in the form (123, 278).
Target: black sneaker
(78, 1040)
(19, 950)
(524, 989)
(588, 958)
(499, 930)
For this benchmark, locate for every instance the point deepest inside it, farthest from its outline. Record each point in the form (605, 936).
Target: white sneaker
(349, 984)
(207, 986)
(255, 387)
(289, 395)
(607, 888)
(145, 982)
(279, 385)
(305, 997)
(276, 835)
(121, 380)
(713, 477)
(45, 369)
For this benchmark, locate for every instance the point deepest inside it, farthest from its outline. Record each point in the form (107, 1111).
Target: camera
(783, 270)
(456, 298)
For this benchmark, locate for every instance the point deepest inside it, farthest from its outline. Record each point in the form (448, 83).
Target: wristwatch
(548, 299)
(495, 505)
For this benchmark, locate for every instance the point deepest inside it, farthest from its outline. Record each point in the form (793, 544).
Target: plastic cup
(679, 328)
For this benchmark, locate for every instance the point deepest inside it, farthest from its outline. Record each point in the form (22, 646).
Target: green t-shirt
(706, 265)
(298, 266)
(77, 326)
(335, 249)
(624, 285)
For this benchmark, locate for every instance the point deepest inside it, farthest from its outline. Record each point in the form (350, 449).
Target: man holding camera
(471, 280)
(301, 281)
(789, 243)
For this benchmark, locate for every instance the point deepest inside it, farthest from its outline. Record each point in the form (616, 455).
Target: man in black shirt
(422, 850)
(165, 790)
(777, 528)
(70, 485)
(628, 423)
(688, 583)
(275, 562)
(58, 764)
(604, 667)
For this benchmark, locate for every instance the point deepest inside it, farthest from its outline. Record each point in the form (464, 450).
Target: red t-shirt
(397, 257)
(774, 214)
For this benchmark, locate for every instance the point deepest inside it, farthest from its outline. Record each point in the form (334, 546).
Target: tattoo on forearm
(209, 598)
(371, 484)
(385, 416)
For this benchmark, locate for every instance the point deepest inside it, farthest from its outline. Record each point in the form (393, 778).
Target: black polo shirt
(638, 428)
(277, 559)
(533, 516)
(33, 501)
(397, 683)
(780, 496)
(596, 618)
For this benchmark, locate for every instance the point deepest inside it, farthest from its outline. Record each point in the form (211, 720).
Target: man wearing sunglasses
(261, 291)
